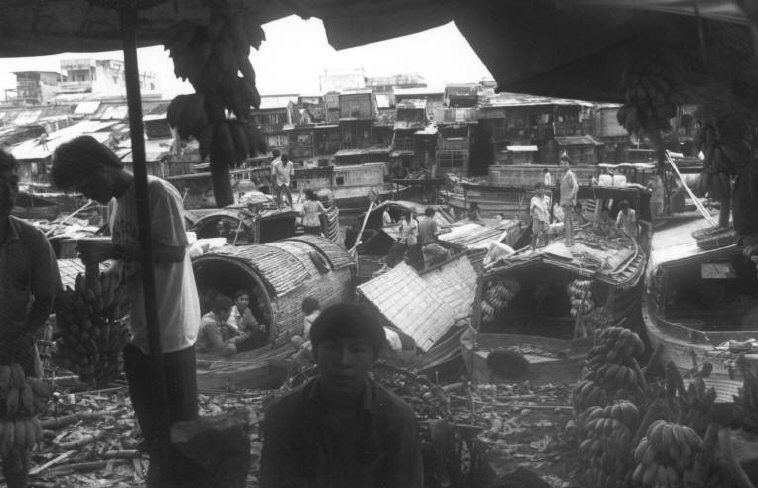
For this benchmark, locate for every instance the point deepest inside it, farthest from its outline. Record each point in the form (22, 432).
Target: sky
(296, 52)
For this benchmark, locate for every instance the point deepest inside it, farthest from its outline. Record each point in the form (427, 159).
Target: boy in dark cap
(341, 429)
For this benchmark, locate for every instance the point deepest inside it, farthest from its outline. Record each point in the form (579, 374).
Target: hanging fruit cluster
(581, 297)
(497, 295)
(21, 400)
(215, 60)
(747, 402)
(652, 94)
(91, 331)
(665, 454)
(611, 369)
(609, 433)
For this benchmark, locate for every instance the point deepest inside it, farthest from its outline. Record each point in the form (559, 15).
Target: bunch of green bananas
(21, 400)
(497, 295)
(91, 333)
(215, 60)
(580, 294)
(652, 95)
(665, 454)
(609, 368)
(609, 432)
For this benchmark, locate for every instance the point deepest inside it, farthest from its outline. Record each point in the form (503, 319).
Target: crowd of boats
(686, 286)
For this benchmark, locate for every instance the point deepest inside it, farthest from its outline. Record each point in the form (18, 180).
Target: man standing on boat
(538, 208)
(283, 171)
(28, 282)
(341, 428)
(88, 167)
(569, 190)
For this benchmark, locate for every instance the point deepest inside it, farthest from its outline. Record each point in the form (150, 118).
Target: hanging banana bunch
(652, 94)
(214, 58)
(581, 297)
(22, 399)
(497, 295)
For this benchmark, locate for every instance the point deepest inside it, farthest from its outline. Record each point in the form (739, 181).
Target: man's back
(427, 231)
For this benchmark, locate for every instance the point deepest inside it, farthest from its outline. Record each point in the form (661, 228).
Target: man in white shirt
(548, 178)
(538, 209)
(569, 190)
(282, 172)
(86, 166)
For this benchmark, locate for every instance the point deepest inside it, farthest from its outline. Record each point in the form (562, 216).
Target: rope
(697, 202)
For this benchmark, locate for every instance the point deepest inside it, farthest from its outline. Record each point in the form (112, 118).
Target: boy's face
(344, 364)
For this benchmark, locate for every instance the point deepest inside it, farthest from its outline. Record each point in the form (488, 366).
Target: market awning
(571, 49)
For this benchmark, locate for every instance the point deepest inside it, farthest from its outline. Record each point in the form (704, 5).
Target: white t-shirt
(538, 208)
(177, 299)
(282, 172)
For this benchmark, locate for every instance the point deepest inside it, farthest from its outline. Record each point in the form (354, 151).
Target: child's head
(309, 305)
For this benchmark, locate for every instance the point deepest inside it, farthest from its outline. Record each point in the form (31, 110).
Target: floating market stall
(529, 305)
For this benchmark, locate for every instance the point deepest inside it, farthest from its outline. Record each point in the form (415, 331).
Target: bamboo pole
(128, 18)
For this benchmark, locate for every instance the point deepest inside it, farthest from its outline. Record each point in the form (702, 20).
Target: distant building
(100, 76)
(384, 84)
(341, 80)
(34, 87)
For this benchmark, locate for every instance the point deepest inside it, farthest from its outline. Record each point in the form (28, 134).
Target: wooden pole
(128, 20)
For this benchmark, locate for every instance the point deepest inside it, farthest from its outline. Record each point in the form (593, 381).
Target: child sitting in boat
(302, 344)
(216, 335)
(252, 334)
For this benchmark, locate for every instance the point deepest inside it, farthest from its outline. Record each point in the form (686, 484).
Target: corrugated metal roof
(479, 235)
(520, 100)
(34, 150)
(86, 108)
(577, 140)
(413, 304)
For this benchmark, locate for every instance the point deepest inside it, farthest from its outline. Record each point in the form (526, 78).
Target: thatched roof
(423, 306)
(285, 265)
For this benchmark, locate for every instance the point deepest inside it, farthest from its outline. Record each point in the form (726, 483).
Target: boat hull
(561, 361)
(689, 348)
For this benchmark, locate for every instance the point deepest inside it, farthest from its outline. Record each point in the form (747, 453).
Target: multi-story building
(100, 76)
(35, 87)
(357, 112)
(339, 80)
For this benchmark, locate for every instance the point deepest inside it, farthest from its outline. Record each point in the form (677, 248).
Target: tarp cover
(562, 48)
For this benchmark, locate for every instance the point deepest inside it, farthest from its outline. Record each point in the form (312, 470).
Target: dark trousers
(181, 390)
(315, 230)
(278, 194)
(16, 467)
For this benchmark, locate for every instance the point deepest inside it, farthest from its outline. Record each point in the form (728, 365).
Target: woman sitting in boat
(311, 213)
(473, 212)
(216, 335)
(252, 334)
(605, 225)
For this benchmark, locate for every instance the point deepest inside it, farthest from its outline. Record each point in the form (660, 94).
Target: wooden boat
(513, 201)
(701, 304)
(534, 320)
(262, 369)
(33, 207)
